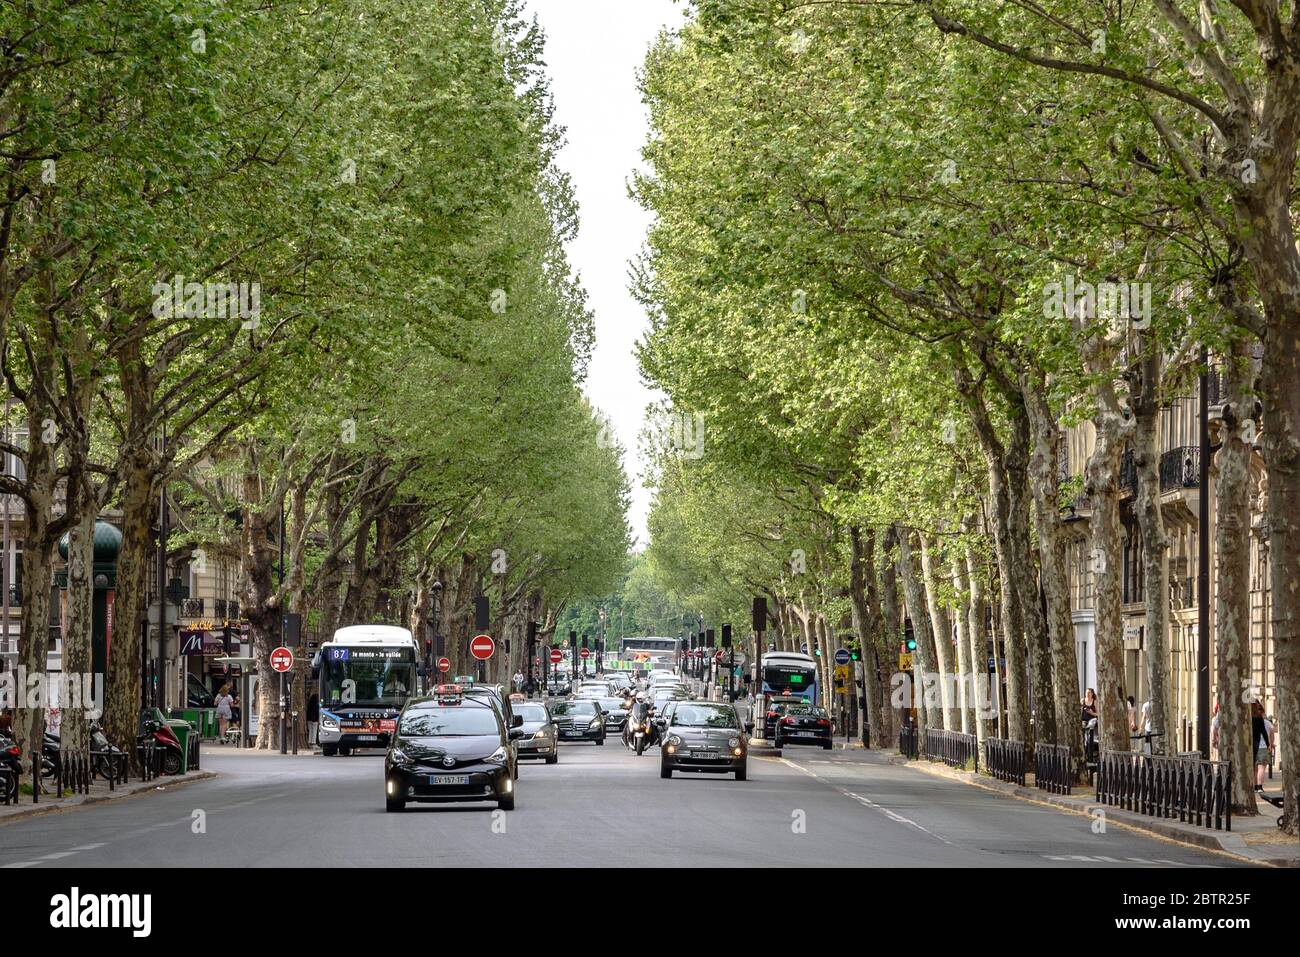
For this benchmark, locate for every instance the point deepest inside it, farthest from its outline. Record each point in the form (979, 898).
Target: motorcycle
(1091, 744)
(163, 738)
(10, 755)
(639, 732)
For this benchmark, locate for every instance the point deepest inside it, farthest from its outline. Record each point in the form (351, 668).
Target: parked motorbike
(10, 755)
(162, 736)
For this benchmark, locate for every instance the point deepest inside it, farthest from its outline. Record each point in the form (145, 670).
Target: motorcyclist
(640, 714)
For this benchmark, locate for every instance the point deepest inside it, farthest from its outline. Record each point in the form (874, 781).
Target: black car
(450, 747)
(803, 724)
(703, 736)
(615, 714)
(579, 719)
(776, 706)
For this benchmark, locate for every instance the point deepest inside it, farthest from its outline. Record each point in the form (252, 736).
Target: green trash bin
(183, 730)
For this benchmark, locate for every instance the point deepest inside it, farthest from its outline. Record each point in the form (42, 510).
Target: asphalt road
(598, 806)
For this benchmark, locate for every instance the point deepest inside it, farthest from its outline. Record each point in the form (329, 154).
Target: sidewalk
(1255, 838)
(99, 793)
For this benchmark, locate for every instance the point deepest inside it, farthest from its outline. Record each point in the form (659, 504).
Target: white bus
(367, 673)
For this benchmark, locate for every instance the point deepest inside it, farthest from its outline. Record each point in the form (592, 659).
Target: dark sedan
(703, 736)
(803, 724)
(776, 706)
(450, 748)
(615, 714)
(579, 719)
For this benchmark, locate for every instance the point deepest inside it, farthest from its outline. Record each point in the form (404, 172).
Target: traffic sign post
(444, 665)
(282, 661)
(482, 648)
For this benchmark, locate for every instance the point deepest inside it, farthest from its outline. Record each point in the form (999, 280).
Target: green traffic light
(911, 644)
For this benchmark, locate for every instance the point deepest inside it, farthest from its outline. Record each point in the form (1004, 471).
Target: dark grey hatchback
(703, 736)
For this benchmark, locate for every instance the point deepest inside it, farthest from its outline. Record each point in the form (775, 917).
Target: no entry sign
(556, 656)
(281, 659)
(585, 653)
(444, 665)
(482, 647)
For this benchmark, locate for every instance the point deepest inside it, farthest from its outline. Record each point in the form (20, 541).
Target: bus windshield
(790, 678)
(367, 677)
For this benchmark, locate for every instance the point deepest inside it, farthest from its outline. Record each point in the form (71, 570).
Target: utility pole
(284, 749)
(1202, 577)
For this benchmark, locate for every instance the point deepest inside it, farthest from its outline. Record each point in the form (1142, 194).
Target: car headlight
(399, 756)
(595, 724)
(497, 757)
(329, 722)
(734, 743)
(541, 733)
(674, 740)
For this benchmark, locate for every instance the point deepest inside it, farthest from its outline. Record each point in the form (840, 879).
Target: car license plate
(573, 734)
(705, 754)
(367, 737)
(449, 779)
(806, 734)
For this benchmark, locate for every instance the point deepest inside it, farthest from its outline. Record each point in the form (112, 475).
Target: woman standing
(1261, 738)
(224, 702)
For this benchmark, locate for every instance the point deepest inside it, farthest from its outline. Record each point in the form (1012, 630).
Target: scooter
(639, 732)
(162, 737)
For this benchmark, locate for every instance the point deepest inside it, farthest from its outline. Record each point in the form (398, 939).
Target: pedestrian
(1089, 705)
(236, 710)
(225, 712)
(519, 680)
(1132, 715)
(1261, 738)
(313, 718)
(1146, 726)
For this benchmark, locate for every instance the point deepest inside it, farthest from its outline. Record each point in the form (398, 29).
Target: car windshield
(704, 716)
(610, 704)
(805, 710)
(575, 707)
(531, 712)
(448, 720)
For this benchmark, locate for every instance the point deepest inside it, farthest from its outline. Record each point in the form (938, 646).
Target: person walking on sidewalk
(224, 712)
(1261, 737)
(313, 718)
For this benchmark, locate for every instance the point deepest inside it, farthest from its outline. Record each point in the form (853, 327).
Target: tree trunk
(986, 702)
(79, 622)
(928, 714)
(1045, 475)
(890, 718)
(941, 624)
(1104, 525)
(1155, 543)
(1232, 579)
(966, 678)
(866, 624)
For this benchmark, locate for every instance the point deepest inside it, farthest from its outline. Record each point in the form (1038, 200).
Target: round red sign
(585, 653)
(482, 647)
(281, 659)
(444, 664)
(556, 656)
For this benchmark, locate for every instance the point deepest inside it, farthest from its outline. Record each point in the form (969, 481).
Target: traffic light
(911, 644)
(726, 636)
(817, 652)
(573, 639)
(584, 641)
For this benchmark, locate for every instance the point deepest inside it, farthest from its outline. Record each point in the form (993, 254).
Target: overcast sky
(593, 51)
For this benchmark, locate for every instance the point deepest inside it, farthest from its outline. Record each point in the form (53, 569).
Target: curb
(1207, 840)
(35, 810)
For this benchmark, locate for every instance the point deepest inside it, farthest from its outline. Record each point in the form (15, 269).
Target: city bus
(787, 673)
(367, 673)
(650, 651)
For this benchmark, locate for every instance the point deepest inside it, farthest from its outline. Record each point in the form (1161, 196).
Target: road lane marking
(867, 802)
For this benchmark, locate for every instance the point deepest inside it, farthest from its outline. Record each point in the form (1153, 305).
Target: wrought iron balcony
(191, 607)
